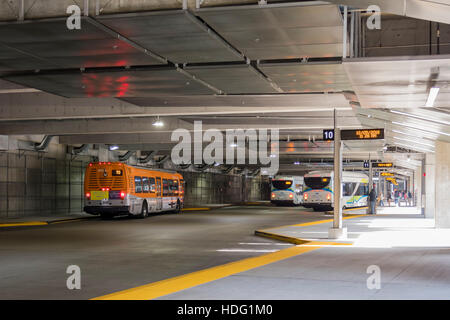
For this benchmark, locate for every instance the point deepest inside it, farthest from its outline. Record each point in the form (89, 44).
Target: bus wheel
(144, 211)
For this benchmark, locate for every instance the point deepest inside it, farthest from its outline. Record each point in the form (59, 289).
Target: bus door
(158, 194)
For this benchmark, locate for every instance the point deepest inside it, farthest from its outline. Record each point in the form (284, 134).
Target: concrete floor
(125, 253)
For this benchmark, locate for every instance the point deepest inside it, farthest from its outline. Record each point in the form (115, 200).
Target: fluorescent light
(413, 127)
(432, 97)
(420, 117)
(425, 144)
(419, 148)
(112, 148)
(296, 163)
(158, 123)
(273, 155)
(233, 145)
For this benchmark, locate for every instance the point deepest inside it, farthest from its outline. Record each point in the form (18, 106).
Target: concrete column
(430, 185)
(442, 185)
(418, 188)
(103, 153)
(337, 231)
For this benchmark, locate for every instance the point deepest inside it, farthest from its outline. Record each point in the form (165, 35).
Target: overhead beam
(42, 106)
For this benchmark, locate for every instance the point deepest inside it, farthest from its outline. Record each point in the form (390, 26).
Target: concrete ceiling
(247, 66)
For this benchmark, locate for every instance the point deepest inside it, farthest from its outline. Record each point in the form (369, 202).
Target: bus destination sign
(358, 134)
(382, 165)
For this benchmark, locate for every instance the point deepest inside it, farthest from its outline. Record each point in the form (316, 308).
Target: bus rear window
(317, 182)
(282, 184)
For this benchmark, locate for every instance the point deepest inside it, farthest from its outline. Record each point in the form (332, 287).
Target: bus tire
(144, 211)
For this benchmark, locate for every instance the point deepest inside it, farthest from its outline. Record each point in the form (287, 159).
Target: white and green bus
(318, 192)
(287, 190)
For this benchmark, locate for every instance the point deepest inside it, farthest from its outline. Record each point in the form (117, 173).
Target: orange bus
(114, 188)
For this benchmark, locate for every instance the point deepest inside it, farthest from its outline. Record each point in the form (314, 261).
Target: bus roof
(330, 173)
(133, 166)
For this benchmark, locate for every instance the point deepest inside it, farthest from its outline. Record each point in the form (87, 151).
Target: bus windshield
(281, 184)
(317, 182)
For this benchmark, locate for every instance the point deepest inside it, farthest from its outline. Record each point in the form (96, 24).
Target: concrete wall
(38, 184)
(442, 201)
(405, 36)
(35, 184)
(214, 188)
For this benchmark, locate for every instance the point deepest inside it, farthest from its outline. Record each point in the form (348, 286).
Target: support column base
(337, 233)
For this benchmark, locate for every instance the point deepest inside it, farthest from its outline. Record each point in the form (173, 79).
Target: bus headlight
(291, 195)
(328, 196)
(273, 195)
(305, 196)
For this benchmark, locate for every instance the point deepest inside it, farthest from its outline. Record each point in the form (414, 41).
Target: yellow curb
(172, 285)
(24, 224)
(299, 241)
(195, 209)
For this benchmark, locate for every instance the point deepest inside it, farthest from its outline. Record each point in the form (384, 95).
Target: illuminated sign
(366, 164)
(358, 134)
(387, 174)
(392, 180)
(382, 165)
(328, 135)
(117, 173)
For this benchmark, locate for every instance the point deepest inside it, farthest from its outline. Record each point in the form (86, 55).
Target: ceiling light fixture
(158, 123)
(411, 126)
(420, 117)
(425, 144)
(415, 147)
(112, 148)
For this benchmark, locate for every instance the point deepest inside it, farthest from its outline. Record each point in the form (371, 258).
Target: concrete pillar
(103, 153)
(430, 185)
(442, 185)
(418, 188)
(337, 231)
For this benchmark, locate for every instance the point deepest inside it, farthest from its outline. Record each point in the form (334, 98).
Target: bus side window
(152, 185)
(170, 182)
(145, 184)
(175, 187)
(165, 188)
(182, 186)
(138, 184)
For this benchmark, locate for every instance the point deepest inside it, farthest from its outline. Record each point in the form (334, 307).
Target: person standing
(381, 199)
(396, 195)
(389, 198)
(409, 198)
(372, 199)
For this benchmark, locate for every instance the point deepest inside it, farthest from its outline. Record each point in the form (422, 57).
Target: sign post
(337, 135)
(337, 231)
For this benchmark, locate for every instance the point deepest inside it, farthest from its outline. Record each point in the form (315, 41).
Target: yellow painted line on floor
(69, 220)
(24, 224)
(312, 223)
(353, 209)
(172, 285)
(195, 209)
